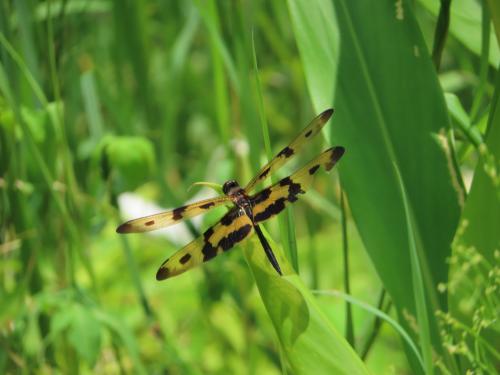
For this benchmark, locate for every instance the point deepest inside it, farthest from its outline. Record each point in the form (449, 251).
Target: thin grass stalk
(441, 32)
(312, 253)
(136, 277)
(483, 65)
(289, 227)
(26, 40)
(349, 328)
(221, 97)
(495, 100)
(37, 154)
(15, 207)
(285, 223)
(26, 73)
(377, 324)
(63, 141)
(450, 138)
(404, 335)
(118, 355)
(219, 45)
(282, 361)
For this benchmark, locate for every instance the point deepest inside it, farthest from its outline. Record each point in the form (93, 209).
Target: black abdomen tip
(162, 274)
(124, 228)
(338, 152)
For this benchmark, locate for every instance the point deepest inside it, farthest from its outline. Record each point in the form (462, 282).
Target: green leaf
(123, 333)
(84, 333)
(36, 120)
(389, 108)
(132, 159)
(308, 340)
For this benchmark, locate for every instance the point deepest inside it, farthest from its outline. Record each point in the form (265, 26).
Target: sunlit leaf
(309, 342)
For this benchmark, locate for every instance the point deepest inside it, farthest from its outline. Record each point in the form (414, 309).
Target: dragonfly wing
(272, 200)
(286, 154)
(164, 219)
(233, 228)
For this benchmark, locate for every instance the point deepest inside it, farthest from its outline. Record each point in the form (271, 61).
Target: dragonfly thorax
(231, 187)
(239, 197)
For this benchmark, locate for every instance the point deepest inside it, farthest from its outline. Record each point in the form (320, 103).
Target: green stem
(443, 23)
(285, 223)
(347, 287)
(484, 64)
(377, 324)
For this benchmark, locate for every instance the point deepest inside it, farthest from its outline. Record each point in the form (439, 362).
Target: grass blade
(405, 336)
(285, 222)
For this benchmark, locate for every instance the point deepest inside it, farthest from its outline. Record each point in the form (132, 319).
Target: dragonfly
(248, 210)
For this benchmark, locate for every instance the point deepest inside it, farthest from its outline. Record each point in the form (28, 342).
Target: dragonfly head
(230, 187)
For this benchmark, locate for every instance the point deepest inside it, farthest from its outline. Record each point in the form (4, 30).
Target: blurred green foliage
(101, 98)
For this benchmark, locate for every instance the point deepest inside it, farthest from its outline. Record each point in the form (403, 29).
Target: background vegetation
(107, 106)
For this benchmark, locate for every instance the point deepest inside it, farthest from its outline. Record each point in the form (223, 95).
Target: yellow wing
(164, 219)
(233, 228)
(284, 155)
(272, 200)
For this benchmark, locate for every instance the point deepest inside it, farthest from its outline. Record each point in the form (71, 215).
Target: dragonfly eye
(229, 185)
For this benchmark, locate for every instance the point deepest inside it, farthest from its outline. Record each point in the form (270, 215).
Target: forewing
(286, 154)
(233, 228)
(164, 219)
(272, 200)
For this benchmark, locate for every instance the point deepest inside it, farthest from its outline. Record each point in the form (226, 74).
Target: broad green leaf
(465, 25)
(308, 340)
(389, 108)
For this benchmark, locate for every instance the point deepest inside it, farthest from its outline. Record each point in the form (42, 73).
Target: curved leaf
(308, 340)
